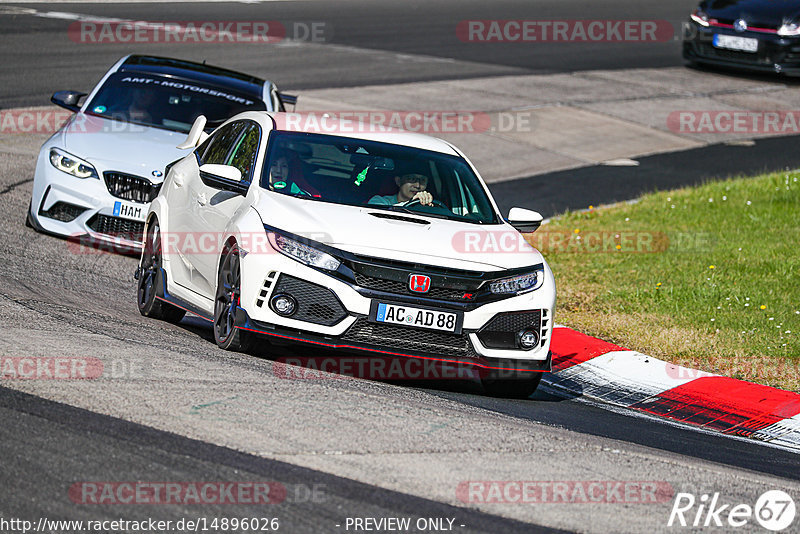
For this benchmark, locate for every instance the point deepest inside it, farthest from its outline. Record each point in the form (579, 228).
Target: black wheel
(512, 388)
(226, 303)
(149, 273)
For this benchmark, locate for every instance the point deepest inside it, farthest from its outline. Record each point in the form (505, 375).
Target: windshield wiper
(415, 212)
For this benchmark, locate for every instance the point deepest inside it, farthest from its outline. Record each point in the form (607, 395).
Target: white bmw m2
(384, 243)
(96, 175)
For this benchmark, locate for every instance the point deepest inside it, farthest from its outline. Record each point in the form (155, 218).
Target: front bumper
(335, 313)
(454, 365)
(83, 208)
(775, 54)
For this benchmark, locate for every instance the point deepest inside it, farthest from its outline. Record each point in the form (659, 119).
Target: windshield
(167, 103)
(383, 176)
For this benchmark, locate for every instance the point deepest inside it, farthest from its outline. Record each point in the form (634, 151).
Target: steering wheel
(437, 203)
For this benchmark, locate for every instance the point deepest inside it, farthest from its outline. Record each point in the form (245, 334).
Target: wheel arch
(229, 242)
(226, 246)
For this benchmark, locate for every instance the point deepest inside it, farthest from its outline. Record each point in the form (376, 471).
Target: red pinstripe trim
(390, 353)
(749, 28)
(763, 30)
(185, 309)
(354, 347)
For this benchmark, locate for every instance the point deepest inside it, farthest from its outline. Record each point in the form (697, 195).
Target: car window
(244, 153)
(217, 148)
(360, 172)
(171, 104)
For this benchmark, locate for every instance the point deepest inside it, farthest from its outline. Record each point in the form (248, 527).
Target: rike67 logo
(774, 510)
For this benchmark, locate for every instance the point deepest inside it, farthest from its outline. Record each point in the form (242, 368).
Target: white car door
(216, 203)
(193, 238)
(174, 228)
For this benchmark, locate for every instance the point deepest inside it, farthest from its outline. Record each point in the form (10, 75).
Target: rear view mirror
(384, 164)
(227, 172)
(524, 220)
(67, 99)
(224, 178)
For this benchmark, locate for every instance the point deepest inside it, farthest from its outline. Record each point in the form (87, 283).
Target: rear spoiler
(290, 100)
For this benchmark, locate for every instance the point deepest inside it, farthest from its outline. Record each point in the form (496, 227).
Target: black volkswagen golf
(762, 35)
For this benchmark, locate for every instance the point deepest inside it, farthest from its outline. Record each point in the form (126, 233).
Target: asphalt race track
(172, 407)
(369, 42)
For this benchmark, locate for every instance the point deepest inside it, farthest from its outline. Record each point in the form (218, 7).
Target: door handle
(201, 199)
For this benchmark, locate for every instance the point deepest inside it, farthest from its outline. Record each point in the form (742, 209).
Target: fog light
(283, 305)
(527, 339)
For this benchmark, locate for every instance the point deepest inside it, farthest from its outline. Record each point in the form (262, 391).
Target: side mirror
(523, 220)
(196, 135)
(225, 177)
(228, 172)
(67, 99)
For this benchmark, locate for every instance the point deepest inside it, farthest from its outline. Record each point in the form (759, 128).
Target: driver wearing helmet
(410, 187)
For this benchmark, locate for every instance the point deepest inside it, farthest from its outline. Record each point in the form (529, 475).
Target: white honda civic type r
(385, 243)
(97, 174)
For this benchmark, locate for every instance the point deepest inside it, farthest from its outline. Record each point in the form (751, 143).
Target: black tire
(226, 302)
(512, 388)
(149, 274)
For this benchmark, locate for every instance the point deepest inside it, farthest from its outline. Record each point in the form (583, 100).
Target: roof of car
(200, 72)
(348, 129)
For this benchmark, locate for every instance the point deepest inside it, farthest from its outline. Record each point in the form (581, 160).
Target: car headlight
(518, 284)
(69, 164)
(789, 29)
(700, 17)
(302, 252)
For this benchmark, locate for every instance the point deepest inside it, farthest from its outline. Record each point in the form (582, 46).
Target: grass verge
(706, 277)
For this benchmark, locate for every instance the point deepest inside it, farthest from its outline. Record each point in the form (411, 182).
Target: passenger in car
(410, 187)
(280, 178)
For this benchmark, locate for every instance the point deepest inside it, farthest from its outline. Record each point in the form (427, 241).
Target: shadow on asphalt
(564, 411)
(268, 350)
(734, 73)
